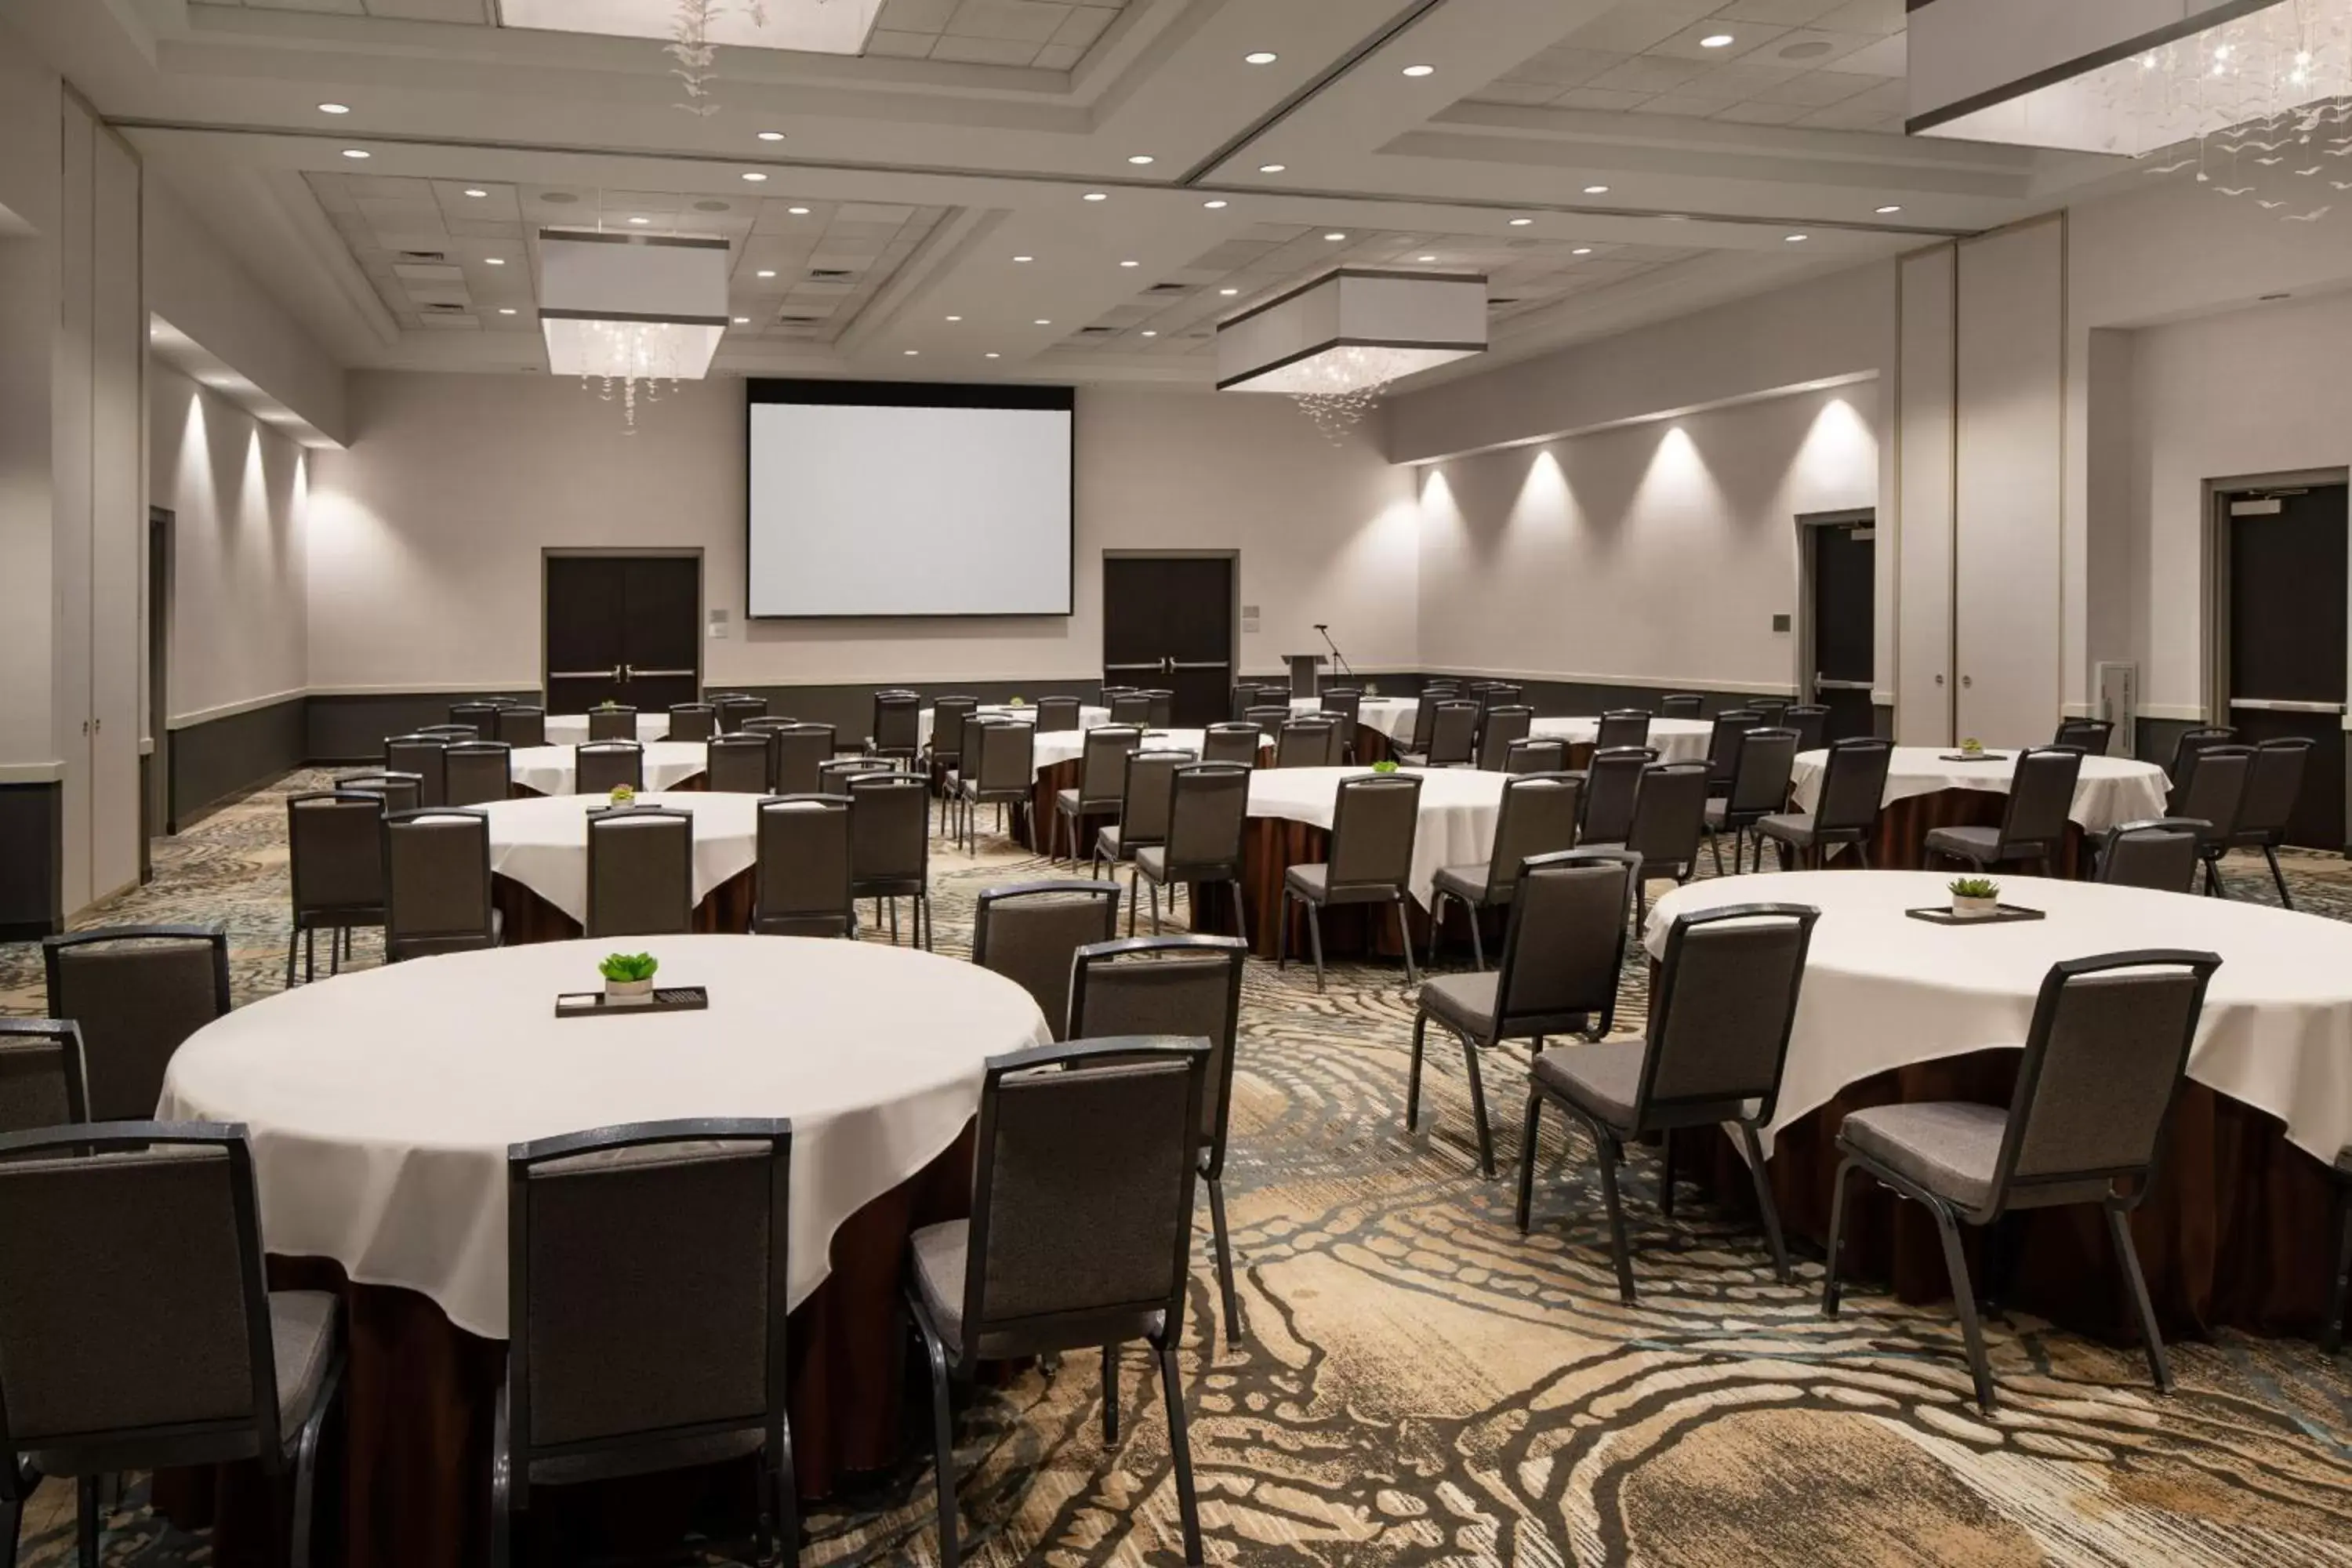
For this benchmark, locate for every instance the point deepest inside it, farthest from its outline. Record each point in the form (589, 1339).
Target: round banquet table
(1676, 740)
(381, 1105)
(571, 729)
(549, 770)
(539, 857)
(1026, 713)
(1896, 1009)
(1060, 758)
(1926, 789)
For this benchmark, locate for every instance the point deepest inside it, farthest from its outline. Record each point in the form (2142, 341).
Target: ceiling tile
(1634, 26)
(1599, 97)
(1881, 17)
(984, 51)
(1746, 38)
(1887, 57)
(1025, 21)
(916, 15)
(1786, 13)
(1817, 90)
(900, 46)
(1646, 73)
(1762, 113)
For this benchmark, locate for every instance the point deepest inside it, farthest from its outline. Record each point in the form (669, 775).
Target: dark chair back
(1082, 1195)
(2092, 736)
(1536, 756)
(1008, 759)
(640, 872)
(1161, 707)
(1682, 705)
(1721, 1014)
(1148, 797)
(1768, 709)
(897, 723)
(478, 771)
(2191, 742)
(1033, 933)
(2159, 854)
(135, 991)
(801, 750)
(1372, 829)
(1494, 694)
(948, 715)
(481, 718)
(738, 764)
(436, 880)
(1564, 949)
(334, 853)
(1231, 742)
(1538, 816)
(426, 759)
(1307, 741)
(1502, 727)
(600, 767)
(1613, 783)
(1268, 717)
(802, 880)
(1622, 726)
(1057, 714)
(615, 723)
(1208, 804)
(1434, 690)
(1102, 767)
(1854, 786)
(647, 1277)
(2274, 784)
(1345, 703)
(2102, 1066)
(1453, 734)
(2214, 788)
(44, 1081)
(736, 711)
(1669, 813)
(2041, 794)
(1188, 986)
(832, 774)
(1759, 775)
(450, 734)
(1723, 744)
(1131, 707)
(692, 721)
(890, 835)
(394, 791)
(520, 727)
(1811, 720)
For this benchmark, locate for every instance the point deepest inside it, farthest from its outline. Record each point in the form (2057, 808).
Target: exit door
(1167, 623)
(2288, 591)
(1841, 623)
(623, 628)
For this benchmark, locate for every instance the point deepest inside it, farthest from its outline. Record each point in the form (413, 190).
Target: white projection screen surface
(900, 499)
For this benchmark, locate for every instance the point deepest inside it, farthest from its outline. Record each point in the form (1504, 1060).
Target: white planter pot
(628, 993)
(1974, 909)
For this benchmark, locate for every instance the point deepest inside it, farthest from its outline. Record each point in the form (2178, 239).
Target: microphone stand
(1337, 658)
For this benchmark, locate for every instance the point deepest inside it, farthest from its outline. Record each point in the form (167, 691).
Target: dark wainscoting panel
(32, 869)
(1579, 699)
(351, 731)
(221, 758)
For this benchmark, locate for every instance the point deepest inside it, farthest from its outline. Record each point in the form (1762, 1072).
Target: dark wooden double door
(625, 629)
(2288, 568)
(1167, 624)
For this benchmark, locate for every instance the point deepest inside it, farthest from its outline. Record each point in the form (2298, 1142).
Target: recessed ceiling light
(1581, 250)
(993, 354)
(1421, 71)
(1335, 235)
(1716, 41)
(1025, 258)
(743, 321)
(1229, 293)
(1890, 210)
(334, 109)
(1095, 197)
(495, 260)
(1271, 168)
(1425, 258)
(1140, 158)
(1151, 334)
(1043, 323)
(356, 153)
(767, 272)
(1131, 263)
(1596, 190)
(1261, 58)
(771, 135)
(955, 317)
(476, 192)
(753, 175)
(912, 353)
(797, 212)
(1214, 207)
(641, 220)
(506, 309)
(1798, 239)
(1521, 222)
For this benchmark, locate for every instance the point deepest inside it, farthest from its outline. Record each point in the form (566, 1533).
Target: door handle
(1197, 664)
(1967, 680)
(1823, 683)
(661, 674)
(611, 674)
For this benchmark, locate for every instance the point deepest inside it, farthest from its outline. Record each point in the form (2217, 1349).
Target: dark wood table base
(529, 917)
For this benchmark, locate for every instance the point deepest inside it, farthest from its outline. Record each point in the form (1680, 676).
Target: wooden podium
(1306, 673)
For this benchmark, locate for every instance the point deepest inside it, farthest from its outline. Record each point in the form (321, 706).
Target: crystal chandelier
(631, 312)
(1336, 344)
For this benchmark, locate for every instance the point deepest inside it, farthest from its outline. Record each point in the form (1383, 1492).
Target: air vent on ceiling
(444, 310)
(425, 256)
(797, 321)
(830, 274)
(560, 198)
(1498, 305)
(710, 206)
(1170, 289)
(1096, 332)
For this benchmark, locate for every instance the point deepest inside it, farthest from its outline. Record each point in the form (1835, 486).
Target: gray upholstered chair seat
(1792, 827)
(1966, 843)
(1153, 858)
(1467, 883)
(1110, 840)
(1066, 801)
(302, 1334)
(643, 1459)
(1466, 1001)
(1315, 882)
(1948, 1147)
(1604, 1079)
(939, 1253)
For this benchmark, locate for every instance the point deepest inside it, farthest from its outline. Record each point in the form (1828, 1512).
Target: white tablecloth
(570, 728)
(1026, 713)
(543, 844)
(1069, 745)
(2109, 791)
(1676, 740)
(1458, 808)
(381, 1102)
(548, 770)
(1391, 716)
(1883, 992)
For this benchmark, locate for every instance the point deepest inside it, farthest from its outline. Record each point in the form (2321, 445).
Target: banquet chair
(1613, 783)
(945, 748)
(1434, 690)
(692, 721)
(334, 862)
(2096, 1085)
(1761, 764)
(477, 772)
(1231, 742)
(1241, 700)
(1854, 786)
(1452, 739)
(1004, 773)
(1032, 933)
(1129, 707)
(2272, 786)
(1721, 1011)
(136, 1330)
(450, 734)
(600, 767)
(890, 847)
(1163, 710)
(1504, 726)
(1668, 822)
(1372, 826)
(1144, 799)
(801, 751)
(1495, 694)
(801, 870)
(396, 792)
(1722, 746)
(436, 883)
(832, 774)
(1188, 986)
(898, 725)
(647, 1275)
(1058, 714)
(1345, 703)
(1811, 720)
(1307, 741)
(520, 727)
(1622, 726)
(1562, 953)
(1682, 705)
(2032, 822)
(2092, 735)
(1537, 817)
(135, 993)
(1268, 718)
(2212, 791)
(43, 1082)
(1536, 756)
(1208, 808)
(735, 709)
(2160, 854)
(1768, 710)
(2189, 743)
(614, 723)
(738, 764)
(481, 718)
(640, 872)
(1102, 769)
(1080, 1234)
(424, 756)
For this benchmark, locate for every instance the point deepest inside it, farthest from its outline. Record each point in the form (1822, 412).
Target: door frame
(1232, 615)
(156, 816)
(634, 552)
(1801, 655)
(2214, 656)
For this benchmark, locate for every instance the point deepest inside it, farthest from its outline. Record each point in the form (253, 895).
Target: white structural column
(1923, 436)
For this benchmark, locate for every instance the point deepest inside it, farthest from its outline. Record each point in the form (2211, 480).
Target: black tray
(665, 999)
(1979, 757)
(2003, 915)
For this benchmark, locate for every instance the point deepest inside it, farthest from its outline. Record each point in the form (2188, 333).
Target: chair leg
(1715, 847)
(1620, 1250)
(1964, 1298)
(1180, 1450)
(930, 919)
(2339, 1231)
(1478, 939)
(942, 1449)
(1666, 1174)
(1314, 937)
(1437, 925)
(1412, 1072)
(1155, 907)
(1134, 886)
(1764, 1202)
(11, 1517)
(309, 955)
(1241, 913)
(1282, 931)
(87, 1521)
(2278, 878)
(1224, 1261)
(1830, 1265)
(1478, 1107)
(2128, 1259)
(1528, 1129)
(1111, 1394)
(1404, 940)
(293, 941)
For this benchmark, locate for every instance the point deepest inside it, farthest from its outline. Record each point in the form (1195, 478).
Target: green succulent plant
(626, 966)
(1385, 765)
(1975, 888)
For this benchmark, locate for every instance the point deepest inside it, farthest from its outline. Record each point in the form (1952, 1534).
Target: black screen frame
(913, 395)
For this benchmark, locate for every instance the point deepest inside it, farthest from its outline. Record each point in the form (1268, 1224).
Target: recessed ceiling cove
(814, 26)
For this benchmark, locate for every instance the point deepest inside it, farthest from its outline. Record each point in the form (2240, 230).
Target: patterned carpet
(1418, 1384)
